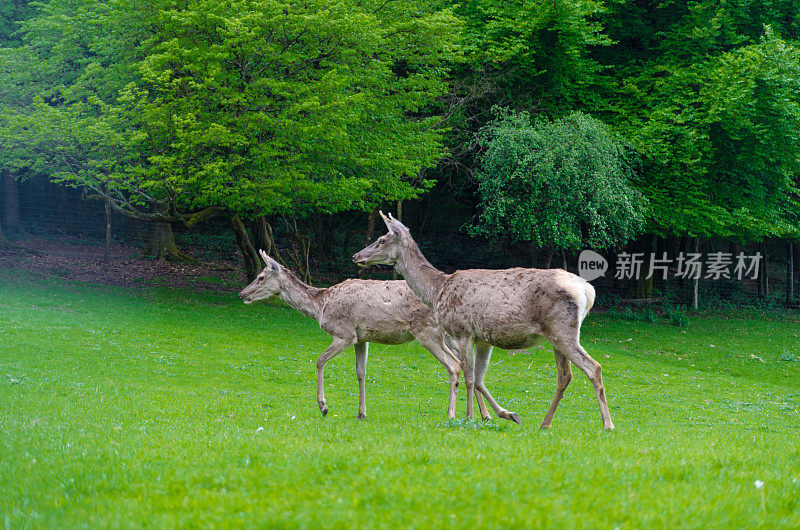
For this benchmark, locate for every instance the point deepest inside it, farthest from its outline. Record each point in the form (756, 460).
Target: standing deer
(357, 312)
(510, 309)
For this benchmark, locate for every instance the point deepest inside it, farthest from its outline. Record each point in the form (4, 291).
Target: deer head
(266, 283)
(387, 248)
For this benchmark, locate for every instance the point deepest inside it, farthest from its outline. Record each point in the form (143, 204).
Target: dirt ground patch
(83, 261)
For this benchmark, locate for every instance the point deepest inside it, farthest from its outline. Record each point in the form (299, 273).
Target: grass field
(162, 408)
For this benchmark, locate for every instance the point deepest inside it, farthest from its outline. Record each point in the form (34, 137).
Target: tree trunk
(796, 265)
(6, 244)
(327, 247)
(642, 286)
(3, 241)
(11, 217)
(763, 280)
(346, 243)
(263, 237)
(371, 218)
(426, 212)
(661, 247)
(789, 273)
(549, 257)
(673, 247)
(735, 248)
(107, 254)
(683, 246)
(299, 250)
(161, 243)
(252, 261)
(395, 275)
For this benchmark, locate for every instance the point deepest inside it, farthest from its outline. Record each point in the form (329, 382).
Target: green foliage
(251, 107)
(296, 107)
(535, 54)
(11, 13)
(606, 299)
(278, 107)
(76, 58)
(563, 184)
(633, 315)
(522, 56)
(677, 316)
(753, 114)
(708, 94)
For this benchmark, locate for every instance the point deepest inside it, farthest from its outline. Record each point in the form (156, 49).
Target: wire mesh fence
(650, 275)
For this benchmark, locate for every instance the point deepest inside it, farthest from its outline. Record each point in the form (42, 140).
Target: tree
(11, 14)
(259, 108)
(73, 57)
(3, 241)
(563, 185)
(540, 51)
(752, 97)
(722, 145)
(708, 94)
(528, 56)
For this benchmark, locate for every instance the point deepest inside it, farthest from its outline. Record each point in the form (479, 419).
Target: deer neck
(423, 278)
(301, 296)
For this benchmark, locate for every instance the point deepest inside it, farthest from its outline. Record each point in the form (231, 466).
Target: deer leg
(482, 406)
(483, 355)
(575, 353)
(434, 343)
(451, 344)
(467, 354)
(337, 346)
(480, 371)
(564, 377)
(361, 372)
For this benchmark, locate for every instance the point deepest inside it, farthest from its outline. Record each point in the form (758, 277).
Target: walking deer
(355, 313)
(511, 309)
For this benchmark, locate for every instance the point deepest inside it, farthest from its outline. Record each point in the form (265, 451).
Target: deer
(510, 308)
(356, 312)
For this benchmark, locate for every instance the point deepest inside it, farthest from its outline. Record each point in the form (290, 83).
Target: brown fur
(355, 313)
(511, 308)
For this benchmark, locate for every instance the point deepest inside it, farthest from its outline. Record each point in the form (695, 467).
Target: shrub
(677, 317)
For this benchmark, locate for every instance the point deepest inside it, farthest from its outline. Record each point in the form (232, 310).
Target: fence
(60, 214)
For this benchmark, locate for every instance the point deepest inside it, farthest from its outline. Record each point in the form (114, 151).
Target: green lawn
(163, 408)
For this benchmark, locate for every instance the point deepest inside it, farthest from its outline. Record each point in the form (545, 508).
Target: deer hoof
(513, 417)
(323, 408)
(362, 416)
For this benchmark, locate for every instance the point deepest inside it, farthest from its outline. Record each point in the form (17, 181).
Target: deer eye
(381, 242)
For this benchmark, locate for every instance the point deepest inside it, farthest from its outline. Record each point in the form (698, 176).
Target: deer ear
(395, 225)
(271, 263)
(387, 221)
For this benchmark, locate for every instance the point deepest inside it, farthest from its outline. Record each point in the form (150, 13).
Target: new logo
(591, 265)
